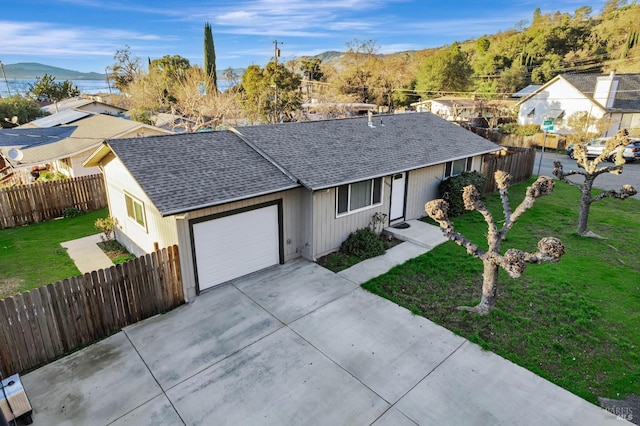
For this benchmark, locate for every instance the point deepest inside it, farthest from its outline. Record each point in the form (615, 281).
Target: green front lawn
(31, 255)
(576, 323)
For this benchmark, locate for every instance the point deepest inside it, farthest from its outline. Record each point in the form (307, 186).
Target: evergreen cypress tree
(210, 56)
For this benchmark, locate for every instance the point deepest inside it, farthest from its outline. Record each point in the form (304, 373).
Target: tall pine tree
(210, 56)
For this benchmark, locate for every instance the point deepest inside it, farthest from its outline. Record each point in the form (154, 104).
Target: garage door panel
(236, 245)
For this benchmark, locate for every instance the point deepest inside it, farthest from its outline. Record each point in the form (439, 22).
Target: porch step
(417, 232)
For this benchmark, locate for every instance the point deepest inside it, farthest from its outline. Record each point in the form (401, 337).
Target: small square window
(135, 209)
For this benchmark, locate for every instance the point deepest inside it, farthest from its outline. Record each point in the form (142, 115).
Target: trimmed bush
(451, 190)
(363, 243)
(516, 129)
(72, 212)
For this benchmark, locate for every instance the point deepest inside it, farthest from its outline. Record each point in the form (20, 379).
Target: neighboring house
(468, 110)
(240, 200)
(64, 147)
(315, 110)
(616, 98)
(172, 122)
(450, 108)
(84, 104)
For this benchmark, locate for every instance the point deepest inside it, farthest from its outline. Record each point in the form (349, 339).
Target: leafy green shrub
(123, 259)
(516, 129)
(72, 212)
(451, 190)
(106, 225)
(49, 176)
(364, 243)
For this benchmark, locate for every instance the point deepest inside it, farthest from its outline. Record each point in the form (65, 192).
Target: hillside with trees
(503, 63)
(32, 70)
(491, 66)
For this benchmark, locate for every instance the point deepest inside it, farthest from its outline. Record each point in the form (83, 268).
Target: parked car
(596, 146)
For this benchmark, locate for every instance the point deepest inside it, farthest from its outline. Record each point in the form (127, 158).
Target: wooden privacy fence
(47, 200)
(518, 162)
(40, 325)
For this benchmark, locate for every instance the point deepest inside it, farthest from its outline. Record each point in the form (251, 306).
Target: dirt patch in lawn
(10, 286)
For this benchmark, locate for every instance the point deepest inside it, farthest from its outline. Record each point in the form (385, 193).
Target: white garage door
(236, 245)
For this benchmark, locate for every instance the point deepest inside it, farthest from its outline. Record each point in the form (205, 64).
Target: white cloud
(56, 40)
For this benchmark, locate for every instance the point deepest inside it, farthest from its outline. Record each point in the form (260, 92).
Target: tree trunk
(489, 286)
(585, 205)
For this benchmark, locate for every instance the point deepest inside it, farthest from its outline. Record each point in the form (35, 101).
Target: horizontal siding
(136, 239)
(293, 236)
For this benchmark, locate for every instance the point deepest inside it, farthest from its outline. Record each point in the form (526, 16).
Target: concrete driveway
(295, 345)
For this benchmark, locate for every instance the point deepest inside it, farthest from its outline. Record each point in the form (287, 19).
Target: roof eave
(333, 185)
(227, 201)
(540, 89)
(98, 155)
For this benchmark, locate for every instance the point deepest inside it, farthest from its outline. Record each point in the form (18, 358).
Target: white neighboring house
(616, 97)
(84, 104)
(450, 108)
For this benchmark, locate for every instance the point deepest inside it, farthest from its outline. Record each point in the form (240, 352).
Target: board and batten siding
(136, 238)
(422, 186)
(292, 238)
(306, 223)
(329, 231)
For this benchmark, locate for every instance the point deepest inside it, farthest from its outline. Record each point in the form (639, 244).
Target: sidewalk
(86, 254)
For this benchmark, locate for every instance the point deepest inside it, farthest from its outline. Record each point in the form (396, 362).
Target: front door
(398, 186)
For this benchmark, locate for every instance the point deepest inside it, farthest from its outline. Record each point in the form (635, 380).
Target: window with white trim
(454, 168)
(358, 196)
(135, 209)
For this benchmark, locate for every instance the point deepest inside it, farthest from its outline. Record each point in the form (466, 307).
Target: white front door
(398, 186)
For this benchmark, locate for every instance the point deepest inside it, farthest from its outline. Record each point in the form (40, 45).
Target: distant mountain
(32, 70)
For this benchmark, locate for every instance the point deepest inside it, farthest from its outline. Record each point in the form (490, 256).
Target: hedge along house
(240, 200)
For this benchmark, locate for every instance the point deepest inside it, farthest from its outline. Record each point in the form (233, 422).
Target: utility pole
(276, 55)
(5, 79)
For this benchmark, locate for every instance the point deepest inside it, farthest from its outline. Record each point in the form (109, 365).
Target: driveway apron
(293, 345)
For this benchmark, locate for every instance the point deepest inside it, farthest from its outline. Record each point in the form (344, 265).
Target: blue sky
(83, 35)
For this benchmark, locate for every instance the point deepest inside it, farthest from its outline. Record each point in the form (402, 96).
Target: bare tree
(513, 261)
(126, 69)
(199, 108)
(613, 150)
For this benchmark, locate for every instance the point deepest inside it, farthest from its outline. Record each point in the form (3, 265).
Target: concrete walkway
(296, 345)
(86, 254)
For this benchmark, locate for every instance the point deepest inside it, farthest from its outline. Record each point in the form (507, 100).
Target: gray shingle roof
(627, 95)
(323, 154)
(185, 172)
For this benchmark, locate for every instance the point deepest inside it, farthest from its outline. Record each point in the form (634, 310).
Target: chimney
(370, 114)
(605, 90)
